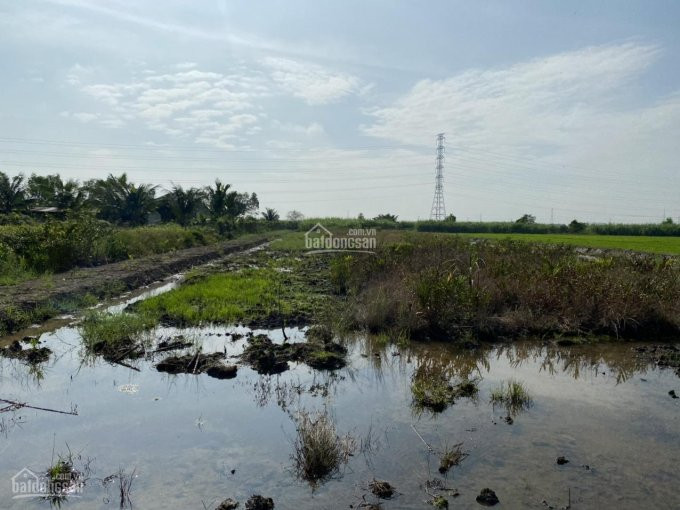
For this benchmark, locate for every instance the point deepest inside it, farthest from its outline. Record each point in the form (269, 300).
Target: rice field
(650, 244)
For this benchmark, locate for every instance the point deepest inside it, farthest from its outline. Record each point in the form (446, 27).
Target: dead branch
(13, 406)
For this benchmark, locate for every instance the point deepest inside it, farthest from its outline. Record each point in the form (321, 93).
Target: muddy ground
(48, 296)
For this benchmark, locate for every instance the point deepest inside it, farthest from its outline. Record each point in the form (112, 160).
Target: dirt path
(42, 298)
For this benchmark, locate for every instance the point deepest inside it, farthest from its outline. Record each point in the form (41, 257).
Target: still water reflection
(195, 440)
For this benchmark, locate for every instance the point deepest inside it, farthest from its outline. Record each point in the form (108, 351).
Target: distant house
(46, 212)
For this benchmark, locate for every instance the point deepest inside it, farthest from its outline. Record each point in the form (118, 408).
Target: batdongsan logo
(27, 484)
(321, 240)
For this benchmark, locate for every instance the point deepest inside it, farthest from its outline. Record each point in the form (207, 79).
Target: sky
(562, 110)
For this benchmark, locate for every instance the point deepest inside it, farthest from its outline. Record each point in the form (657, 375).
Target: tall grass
(513, 395)
(115, 334)
(445, 287)
(61, 245)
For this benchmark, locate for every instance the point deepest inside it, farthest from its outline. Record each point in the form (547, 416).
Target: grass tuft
(116, 336)
(318, 449)
(513, 395)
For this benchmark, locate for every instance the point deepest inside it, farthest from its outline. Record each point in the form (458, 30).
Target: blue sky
(559, 109)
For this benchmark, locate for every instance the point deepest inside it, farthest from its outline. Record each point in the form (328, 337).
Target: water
(596, 405)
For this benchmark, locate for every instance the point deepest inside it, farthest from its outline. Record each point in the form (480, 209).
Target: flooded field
(192, 440)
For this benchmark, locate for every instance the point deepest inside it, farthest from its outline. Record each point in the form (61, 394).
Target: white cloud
(543, 101)
(85, 117)
(313, 83)
(207, 107)
(311, 129)
(183, 66)
(569, 131)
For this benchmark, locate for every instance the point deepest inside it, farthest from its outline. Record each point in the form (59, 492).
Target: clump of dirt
(487, 498)
(116, 352)
(562, 461)
(228, 504)
(264, 356)
(267, 357)
(381, 489)
(665, 356)
(197, 364)
(31, 355)
(258, 502)
(222, 371)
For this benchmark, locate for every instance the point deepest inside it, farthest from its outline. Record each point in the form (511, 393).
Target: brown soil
(211, 364)
(266, 357)
(57, 294)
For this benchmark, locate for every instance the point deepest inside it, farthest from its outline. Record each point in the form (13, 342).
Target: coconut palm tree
(12, 193)
(120, 201)
(51, 190)
(216, 199)
(270, 214)
(182, 205)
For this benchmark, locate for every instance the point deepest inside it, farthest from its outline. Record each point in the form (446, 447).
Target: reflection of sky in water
(597, 411)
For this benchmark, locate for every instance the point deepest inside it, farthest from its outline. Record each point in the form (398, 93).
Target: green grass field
(666, 245)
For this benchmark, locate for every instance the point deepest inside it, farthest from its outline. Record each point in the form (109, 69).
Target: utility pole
(438, 211)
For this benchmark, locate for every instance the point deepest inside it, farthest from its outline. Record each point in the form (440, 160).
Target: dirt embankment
(43, 298)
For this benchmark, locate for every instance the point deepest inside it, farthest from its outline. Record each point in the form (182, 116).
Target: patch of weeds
(89, 300)
(63, 478)
(116, 336)
(439, 502)
(319, 333)
(318, 450)
(513, 396)
(261, 289)
(220, 298)
(451, 456)
(436, 393)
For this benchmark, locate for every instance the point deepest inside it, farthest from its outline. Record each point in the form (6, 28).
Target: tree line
(120, 201)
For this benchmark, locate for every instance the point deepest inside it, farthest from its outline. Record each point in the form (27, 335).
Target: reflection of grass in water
(513, 395)
(437, 393)
(318, 449)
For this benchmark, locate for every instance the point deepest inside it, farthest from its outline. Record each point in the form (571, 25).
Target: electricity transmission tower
(438, 211)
